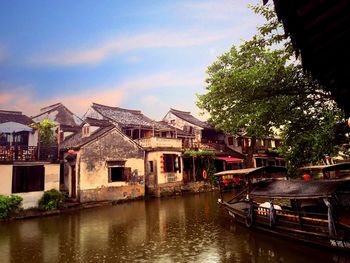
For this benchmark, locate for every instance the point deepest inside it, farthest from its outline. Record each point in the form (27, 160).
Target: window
(172, 163)
(5, 139)
(128, 132)
(86, 130)
(117, 172)
(28, 178)
(21, 138)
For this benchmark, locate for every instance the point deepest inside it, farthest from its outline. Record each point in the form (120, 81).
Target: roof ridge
(117, 108)
(51, 106)
(186, 112)
(11, 112)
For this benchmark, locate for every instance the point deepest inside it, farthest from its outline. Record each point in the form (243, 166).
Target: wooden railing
(159, 142)
(27, 153)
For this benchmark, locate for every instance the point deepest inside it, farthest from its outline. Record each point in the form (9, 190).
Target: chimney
(85, 130)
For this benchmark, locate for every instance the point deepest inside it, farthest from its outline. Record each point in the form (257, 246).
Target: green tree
(257, 88)
(46, 133)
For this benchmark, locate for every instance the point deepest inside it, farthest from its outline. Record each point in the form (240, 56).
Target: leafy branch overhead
(261, 87)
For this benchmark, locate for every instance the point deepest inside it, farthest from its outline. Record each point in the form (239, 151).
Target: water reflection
(182, 229)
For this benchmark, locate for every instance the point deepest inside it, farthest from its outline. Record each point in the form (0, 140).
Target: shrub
(52, 199)
(9, 205)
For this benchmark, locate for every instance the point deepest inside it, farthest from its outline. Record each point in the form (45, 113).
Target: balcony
(159, 142)
(27, 153)
(210, 146)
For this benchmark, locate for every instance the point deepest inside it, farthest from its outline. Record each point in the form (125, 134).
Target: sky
(143, 55)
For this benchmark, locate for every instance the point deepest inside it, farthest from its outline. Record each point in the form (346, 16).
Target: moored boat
(315, 211)
(329, 171)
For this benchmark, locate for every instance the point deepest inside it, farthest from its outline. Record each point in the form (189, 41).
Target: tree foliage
(257, 87)
(46, 133)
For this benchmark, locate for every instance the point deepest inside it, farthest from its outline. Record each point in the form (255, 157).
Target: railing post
(16, 152)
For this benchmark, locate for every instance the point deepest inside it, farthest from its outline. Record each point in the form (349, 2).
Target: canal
(189, 228)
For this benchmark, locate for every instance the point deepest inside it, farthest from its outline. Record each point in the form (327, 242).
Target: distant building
(24, 171)
(163, 158)
(205, 138)
(102, 163)
(67, 122)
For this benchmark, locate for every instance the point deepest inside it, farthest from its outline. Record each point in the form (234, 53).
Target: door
(73, 183)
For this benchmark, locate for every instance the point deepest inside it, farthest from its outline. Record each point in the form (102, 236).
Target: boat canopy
(327, 168)
(298, 189)
(254, 171)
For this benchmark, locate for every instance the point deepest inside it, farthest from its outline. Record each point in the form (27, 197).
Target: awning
(9, 127)
(230, 159)
(299, 189)
(254, 171)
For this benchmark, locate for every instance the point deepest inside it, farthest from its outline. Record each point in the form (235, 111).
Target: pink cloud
(30, 105)
(24, 99)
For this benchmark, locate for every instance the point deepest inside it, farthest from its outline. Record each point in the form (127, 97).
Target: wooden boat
(244, 177)
(331, 171)
(315, 211)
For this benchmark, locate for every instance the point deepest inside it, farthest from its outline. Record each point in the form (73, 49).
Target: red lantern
(306, 177)
(225, 182)
(71, 151)
(236, 180)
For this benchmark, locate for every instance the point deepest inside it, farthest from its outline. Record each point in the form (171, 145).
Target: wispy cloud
(121, 45)
(22, 98)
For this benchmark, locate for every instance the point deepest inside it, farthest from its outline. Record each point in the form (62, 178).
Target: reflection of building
(25, 171)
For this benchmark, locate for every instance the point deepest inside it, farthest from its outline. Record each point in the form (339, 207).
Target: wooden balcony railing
(159, 142)
(27, 153)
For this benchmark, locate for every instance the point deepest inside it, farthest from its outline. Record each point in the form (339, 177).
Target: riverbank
(70, 205)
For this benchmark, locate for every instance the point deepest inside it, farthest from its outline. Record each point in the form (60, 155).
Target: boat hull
(313, 231)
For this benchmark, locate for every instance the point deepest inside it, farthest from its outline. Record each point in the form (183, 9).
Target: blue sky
(145, 55)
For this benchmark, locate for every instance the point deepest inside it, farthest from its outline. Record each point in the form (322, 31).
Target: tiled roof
(97, 122)
(64, 116)
(126, 117)
(76, 140)
(14, 116)
(186, 116)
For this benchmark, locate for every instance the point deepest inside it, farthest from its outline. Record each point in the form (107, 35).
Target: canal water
(189, 228)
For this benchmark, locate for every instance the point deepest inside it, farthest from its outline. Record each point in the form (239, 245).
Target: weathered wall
(180, 124)
(52, 176)
(162, 177)
(30, 199)
(112, 193)
(6, 179)
(157, 179)
(92, 168)
(178, 188)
